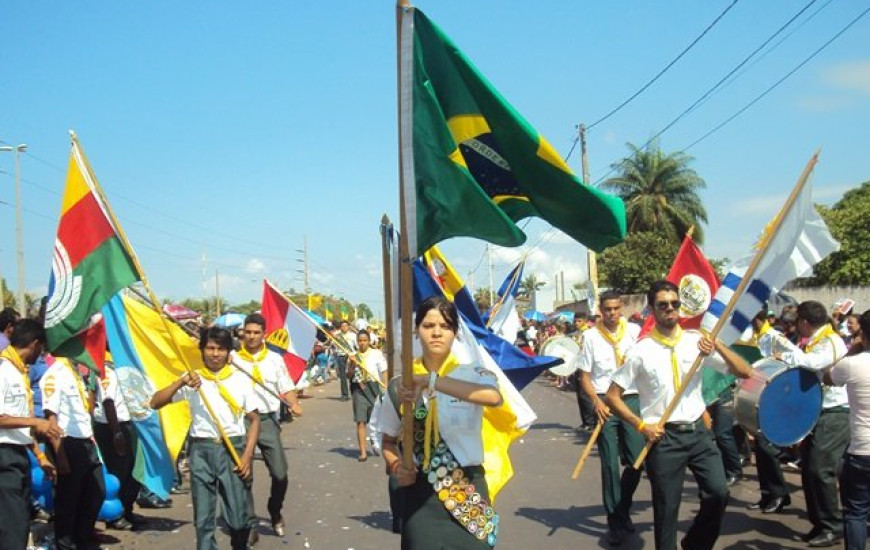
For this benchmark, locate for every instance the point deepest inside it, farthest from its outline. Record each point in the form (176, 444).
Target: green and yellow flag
(472, 166)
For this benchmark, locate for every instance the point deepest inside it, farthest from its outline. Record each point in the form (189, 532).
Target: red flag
(697, 281)
(289, 331)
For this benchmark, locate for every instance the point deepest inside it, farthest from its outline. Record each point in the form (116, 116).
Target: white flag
(802, 241)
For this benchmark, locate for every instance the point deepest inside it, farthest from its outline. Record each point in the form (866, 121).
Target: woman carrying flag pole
(446, 498)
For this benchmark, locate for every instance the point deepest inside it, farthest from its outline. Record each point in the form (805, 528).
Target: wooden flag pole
(588, 450)
(766, 239)
(406, 275)
(386, 265)
(262, 385)
(155, 303)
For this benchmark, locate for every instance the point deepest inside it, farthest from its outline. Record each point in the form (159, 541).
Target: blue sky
(234, 131)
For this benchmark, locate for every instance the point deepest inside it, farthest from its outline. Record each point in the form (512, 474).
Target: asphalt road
(337, 503)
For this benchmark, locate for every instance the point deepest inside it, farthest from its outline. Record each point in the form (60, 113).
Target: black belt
(684, 427)
(838, 409)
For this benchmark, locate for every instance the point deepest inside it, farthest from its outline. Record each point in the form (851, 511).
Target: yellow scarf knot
(431, 431)
(217, 377)
(614, 339)
(254, 359)
(670, 343)
(826, 332)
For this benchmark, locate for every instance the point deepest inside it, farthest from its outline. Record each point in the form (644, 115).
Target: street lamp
(18, 149)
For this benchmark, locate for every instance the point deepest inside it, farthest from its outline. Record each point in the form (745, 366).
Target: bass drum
(781, 403)
(564, 347)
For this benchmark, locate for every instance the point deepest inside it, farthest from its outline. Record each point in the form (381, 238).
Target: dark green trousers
(689, 445)
(275, 458)
(821, 459)
(619, 443)
(212, 475)
(14, 496)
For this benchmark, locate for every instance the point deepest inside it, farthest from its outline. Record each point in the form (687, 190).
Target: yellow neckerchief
(672, 344)
(614, 340)
(431, 431)
(761, 332)
(826, 332)
(223, 374)
(79, 383)
(13, 357)
(254, 359)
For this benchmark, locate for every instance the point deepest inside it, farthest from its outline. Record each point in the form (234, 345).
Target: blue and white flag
(503, 318)
(801, 242)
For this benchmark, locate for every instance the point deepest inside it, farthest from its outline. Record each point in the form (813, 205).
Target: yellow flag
(314, 301)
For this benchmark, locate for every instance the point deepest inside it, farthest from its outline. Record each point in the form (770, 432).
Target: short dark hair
(221, 336)
(864, 324)
(659, 286)
(256, 319)
(813, 312)
(444, 306)
(26, 332)
(363, 332)
(609, 295)
(8, 317)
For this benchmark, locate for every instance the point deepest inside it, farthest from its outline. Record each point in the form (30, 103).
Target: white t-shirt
(598, 359)
(110, 390)
(13, 402)
(240, 388)
(854, 373)
(459, 421)
(275, 377)
(818, 359)
(375, 364)
(648, 367)
(64, 394)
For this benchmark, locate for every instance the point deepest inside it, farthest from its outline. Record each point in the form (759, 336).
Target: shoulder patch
(482, 371)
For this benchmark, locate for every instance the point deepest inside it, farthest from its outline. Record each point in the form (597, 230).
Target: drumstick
(588, 450)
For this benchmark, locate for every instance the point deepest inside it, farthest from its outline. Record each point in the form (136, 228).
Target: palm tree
(529, 287)
(660, 192)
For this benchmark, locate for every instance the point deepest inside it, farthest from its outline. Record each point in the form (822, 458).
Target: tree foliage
(638, 261)
(848, 223)
(660, 192)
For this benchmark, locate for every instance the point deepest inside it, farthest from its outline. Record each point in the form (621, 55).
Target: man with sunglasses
(656, 366)
(822, 450)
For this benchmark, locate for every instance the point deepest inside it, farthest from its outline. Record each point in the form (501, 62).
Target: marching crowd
(56, 418)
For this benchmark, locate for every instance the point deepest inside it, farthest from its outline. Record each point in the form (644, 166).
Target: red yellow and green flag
(90, 265)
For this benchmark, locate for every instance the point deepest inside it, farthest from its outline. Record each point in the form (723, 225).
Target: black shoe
(628, 526)
(776, 505)
(615, 537)
(760, 505)
(120, 524)
(813, 533)
(825, 538)
(397, 525)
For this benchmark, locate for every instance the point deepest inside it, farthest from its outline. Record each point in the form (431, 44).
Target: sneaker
(278, 526)
(120, 524)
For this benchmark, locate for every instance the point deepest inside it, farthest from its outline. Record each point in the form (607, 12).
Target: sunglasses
(663, 306)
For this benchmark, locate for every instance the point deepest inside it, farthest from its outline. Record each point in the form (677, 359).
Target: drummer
(603, 352)
(656, 365)
(774, 493)
(822, 450)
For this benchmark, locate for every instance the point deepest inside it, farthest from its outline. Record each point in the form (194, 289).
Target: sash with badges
(458, 495)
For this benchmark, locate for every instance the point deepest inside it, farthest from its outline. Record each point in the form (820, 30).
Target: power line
(781, 80)
(663, 71)
(706, 94)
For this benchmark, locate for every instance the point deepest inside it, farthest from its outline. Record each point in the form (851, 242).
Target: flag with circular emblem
(472, 165)
(89, 266)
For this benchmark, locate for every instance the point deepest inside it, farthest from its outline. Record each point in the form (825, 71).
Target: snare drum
(565, 348)
(780, 402)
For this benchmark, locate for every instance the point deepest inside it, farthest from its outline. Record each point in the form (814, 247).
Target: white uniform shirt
(13, 402)
(598, 359)
(459, 421)
(202, 425)
(854, 373)
(275, 377)
(110, 389)
(648, 367)
(820, 358)
(375, 363)
(64, 394)
(348, 339)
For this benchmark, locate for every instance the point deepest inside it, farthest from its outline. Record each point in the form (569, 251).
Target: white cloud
(255, 267)
(849, 75)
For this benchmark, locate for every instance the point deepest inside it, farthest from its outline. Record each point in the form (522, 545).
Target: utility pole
(18, 149)
(217, 293)
(304, 270)
(562, 276)
(591, 259)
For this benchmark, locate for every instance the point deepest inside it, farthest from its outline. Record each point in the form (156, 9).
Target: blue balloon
(112, 485)
(111, 510)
